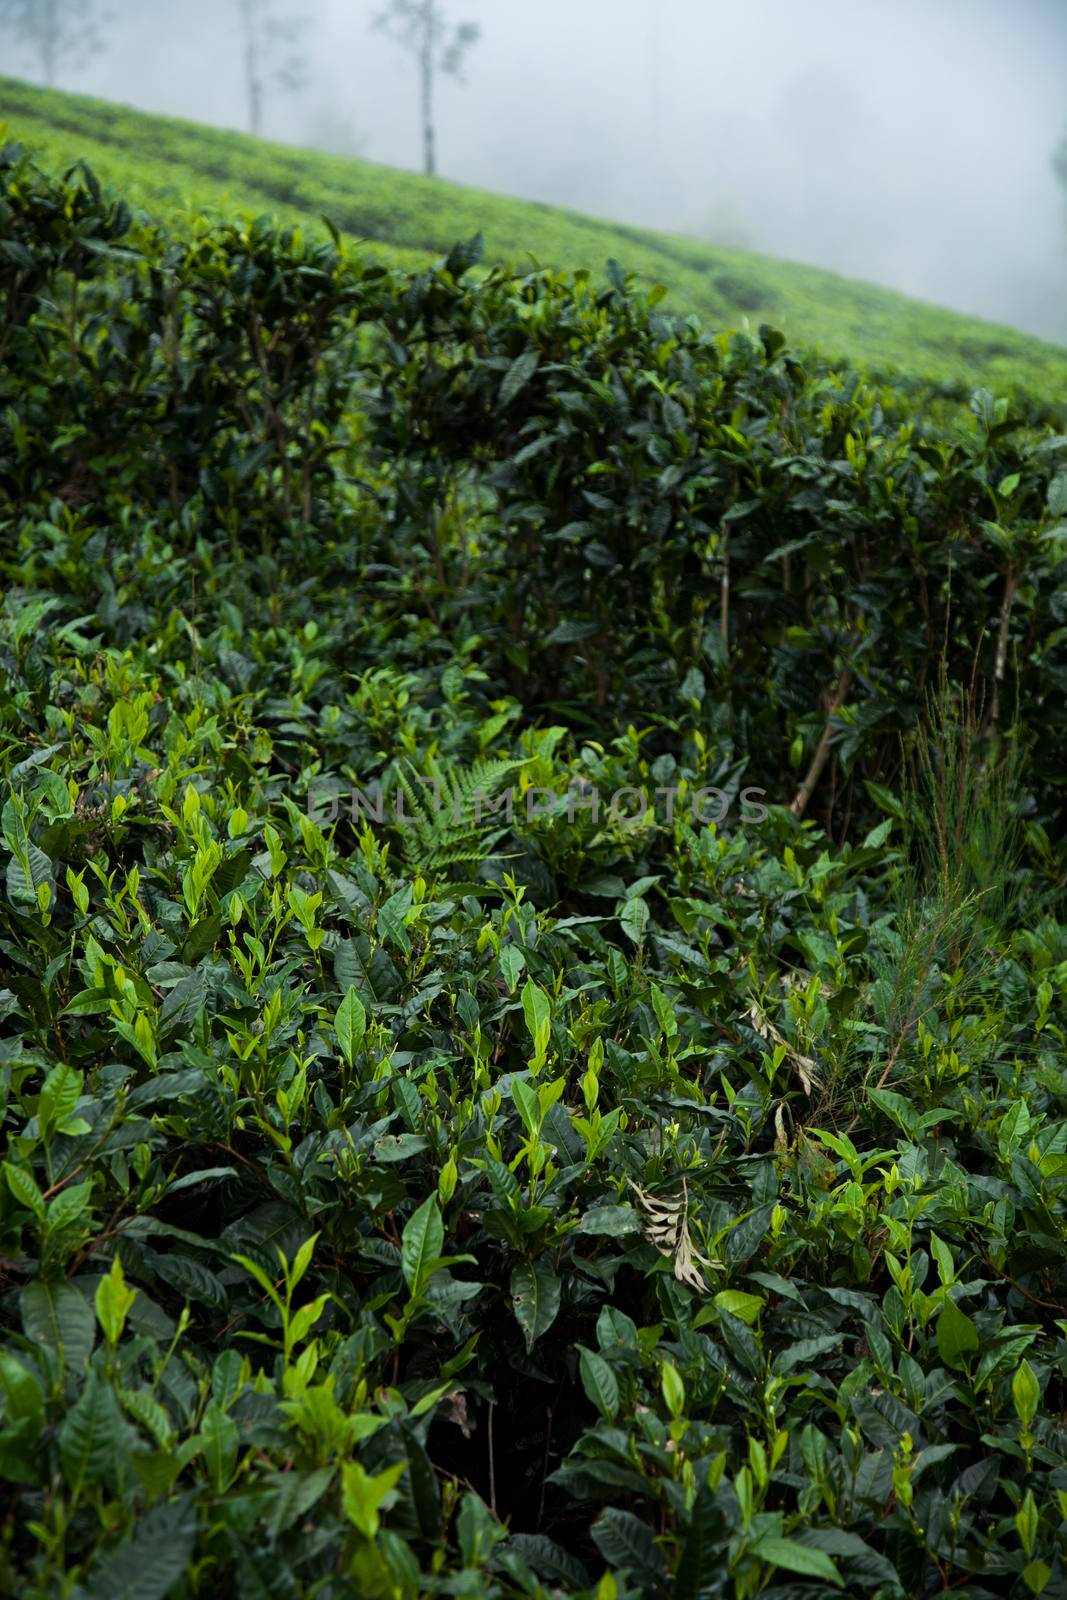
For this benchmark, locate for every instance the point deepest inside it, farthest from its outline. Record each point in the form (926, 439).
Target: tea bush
(548, 1196)
(173, 168)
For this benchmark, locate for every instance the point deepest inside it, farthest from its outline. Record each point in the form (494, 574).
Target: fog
(908, 143)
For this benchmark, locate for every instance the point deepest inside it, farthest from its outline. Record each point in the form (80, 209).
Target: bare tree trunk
(429, 136)
(655, 79)
(48, 37)
(253, 83)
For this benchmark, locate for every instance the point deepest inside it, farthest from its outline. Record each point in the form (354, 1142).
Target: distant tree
(57, 32)
(439, 46)
(272, 54)
(654, 63)
(1059, 163)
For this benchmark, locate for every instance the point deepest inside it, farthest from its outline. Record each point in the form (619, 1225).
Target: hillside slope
(512, 1087)
(168, 165)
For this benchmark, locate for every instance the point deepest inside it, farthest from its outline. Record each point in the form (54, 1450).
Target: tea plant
(496, 1190)
(177, 169)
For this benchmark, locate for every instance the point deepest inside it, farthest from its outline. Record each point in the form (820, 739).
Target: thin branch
(1003, 629)
(822, 753)
(492, 1463)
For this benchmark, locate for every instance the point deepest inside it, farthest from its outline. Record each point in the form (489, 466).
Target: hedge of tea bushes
(546, 1196)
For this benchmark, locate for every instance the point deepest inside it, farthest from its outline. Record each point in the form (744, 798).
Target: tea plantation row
(502, 1191)
(174, 168)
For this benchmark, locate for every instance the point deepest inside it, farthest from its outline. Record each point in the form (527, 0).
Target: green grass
(170, 167)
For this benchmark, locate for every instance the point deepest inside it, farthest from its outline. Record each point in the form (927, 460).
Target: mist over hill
(908, 144)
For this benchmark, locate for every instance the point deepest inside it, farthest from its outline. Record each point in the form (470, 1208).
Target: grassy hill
(169, 166)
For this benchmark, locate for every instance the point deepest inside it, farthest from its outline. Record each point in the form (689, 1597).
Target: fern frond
(444, 824)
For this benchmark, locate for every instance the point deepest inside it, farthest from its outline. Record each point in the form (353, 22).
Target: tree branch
(822, 751)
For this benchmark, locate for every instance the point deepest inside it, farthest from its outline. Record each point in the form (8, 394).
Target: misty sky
(907, 142)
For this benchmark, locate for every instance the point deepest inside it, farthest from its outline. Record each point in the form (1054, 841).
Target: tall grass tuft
(952, 896)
